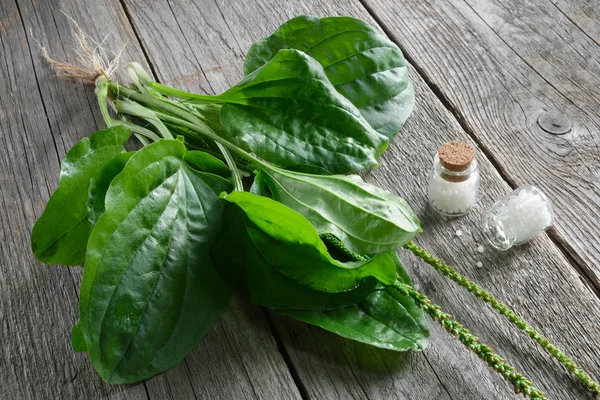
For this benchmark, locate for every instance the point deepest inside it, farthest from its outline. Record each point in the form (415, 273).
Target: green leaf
(100, 183)
(287, 240)
(149, 290)
(366, 218)
(288, 113)
(385, 319)
(207, 163)
(365, 67)
(239, 258)
(60, 234)
(77, 340)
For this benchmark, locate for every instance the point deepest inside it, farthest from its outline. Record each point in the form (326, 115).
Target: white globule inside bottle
(453, 198)
(454, 180)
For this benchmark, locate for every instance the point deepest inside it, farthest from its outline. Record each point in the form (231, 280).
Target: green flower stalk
(521, 383)
(503, 309)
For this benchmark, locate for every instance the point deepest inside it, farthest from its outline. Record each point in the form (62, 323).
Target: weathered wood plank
(38, 304)
(584, 14)
(505, 63)
(549, 294)
(41, 117)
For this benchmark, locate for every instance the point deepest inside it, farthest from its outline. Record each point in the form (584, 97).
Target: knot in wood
(554, 123)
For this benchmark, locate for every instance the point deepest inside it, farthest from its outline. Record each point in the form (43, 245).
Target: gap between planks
(586, 275)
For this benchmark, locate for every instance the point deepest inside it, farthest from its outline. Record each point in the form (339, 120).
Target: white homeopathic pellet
(481, 249)
(517, 217)
(459, 233)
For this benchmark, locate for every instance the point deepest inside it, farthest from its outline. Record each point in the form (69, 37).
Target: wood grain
(41, 117)
(583, 14)
(330, 367)
(200, 45)
(504, 64)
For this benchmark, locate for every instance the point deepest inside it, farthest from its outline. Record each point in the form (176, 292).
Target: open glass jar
(517, 217)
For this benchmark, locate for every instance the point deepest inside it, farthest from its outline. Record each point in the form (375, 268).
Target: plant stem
(497, 363)
(182, 94)
(210, 134)
(137, 110)
(101, 94)
(503, 309)
(235, 172)
(140, 131)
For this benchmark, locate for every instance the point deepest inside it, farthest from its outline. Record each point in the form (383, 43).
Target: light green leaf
(365, 67)
(60, 234)
(149, 290)
(287, 240)
(239, 258)
(366, 218)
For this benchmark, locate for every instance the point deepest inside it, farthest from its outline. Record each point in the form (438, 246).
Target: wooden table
(484, 71)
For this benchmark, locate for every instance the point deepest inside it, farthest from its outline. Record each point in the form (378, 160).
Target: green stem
(101, 95)
(139, 76)
(140, 131)
(132, 108)
(503, 309)
(235, 172)
(497, 363)
(179, 115)
(210, 134)
(182, 94)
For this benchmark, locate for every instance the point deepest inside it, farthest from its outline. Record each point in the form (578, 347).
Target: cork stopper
(456, 156)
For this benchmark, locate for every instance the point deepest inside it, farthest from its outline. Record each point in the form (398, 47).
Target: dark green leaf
(207, 163)
(100, 183)
(149, 290)
(287, 240)
(60, 235)
(288, 113)
(365, 67)
(239, 259)
(366, 218)
(77, 340)
(385, 319)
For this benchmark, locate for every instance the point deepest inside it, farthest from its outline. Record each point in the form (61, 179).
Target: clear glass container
(517, 217)
(453, 193)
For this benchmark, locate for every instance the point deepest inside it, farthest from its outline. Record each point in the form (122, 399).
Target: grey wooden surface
(483, 71)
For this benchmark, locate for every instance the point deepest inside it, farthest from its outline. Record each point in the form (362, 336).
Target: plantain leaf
(240, 261)
(288, 113)
(288, 242)
(385, 319)
(207, 163)
(100, 183)
(367, 219)
(149, 290)
(365, 67)
(60, 234)
(77, 340)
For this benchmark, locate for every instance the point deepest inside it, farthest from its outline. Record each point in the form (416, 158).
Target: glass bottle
(517, 217)
(454, 179)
